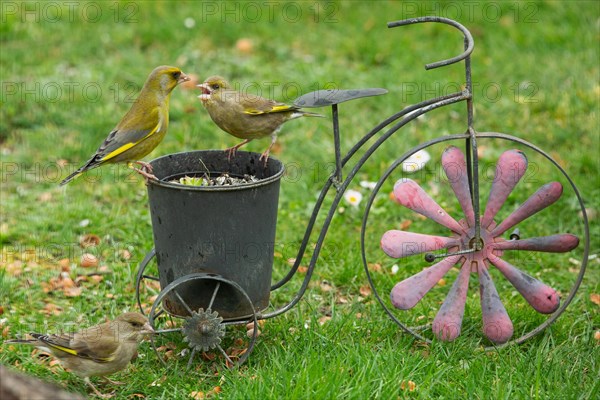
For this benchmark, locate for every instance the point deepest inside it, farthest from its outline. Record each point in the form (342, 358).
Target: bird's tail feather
(92, 163)
(21, 341)
(311, 114)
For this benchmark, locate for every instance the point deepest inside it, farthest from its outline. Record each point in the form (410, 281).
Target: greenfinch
(246, 116)
(96, 351)
(142, 128)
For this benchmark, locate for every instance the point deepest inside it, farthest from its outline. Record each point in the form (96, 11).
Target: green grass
(66, 78)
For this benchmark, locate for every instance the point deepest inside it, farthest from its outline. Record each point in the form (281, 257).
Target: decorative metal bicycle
(210, 298)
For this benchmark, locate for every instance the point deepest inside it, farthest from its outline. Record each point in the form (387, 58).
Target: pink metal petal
(455, 167)
(448, 321)
(541, 297)
(552, 244)
(400, 244)
(544, 197)
(406, 294)
(411, 195)
(511, 166)
(497, 325)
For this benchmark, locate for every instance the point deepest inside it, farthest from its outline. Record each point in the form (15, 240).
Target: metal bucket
(224, 230)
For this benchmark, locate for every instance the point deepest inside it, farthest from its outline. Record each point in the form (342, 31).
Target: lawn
(69, 70)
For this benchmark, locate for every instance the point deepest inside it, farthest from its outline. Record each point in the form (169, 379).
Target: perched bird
(246, 116)
(142, 128)
(97, 351)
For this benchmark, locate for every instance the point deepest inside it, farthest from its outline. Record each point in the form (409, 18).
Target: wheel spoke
(455, 167)
(541, 297)
(189, 310)
(544, 197)
(510, 168)
(152, 278)
(560, 243)
(406, 294)
(189, 364)
(448, 321)
(225, 355)
(408, 193)
(168, 330)
(212, 299)
(497, 325)
(399, 244)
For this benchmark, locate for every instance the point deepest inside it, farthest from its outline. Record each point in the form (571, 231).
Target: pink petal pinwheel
(497, 326)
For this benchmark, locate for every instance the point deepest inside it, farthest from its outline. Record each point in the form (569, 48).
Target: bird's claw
(147, 167)
(264, 157)
(145, 170)
(231, 152)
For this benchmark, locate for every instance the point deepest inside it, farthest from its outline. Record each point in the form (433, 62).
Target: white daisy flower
(353, 197)
(416, 162)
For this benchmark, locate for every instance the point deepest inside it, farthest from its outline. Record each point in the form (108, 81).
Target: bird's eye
(176, 74)
(136, 324)
(215, 86)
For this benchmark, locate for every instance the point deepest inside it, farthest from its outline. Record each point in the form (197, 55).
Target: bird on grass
(96, 351)
(246, 116)
(142, 128)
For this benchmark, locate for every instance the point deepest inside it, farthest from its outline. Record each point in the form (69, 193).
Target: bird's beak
(147, 329)
(206, 91)
(183, 78)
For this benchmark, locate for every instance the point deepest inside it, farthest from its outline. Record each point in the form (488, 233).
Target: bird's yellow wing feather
(273, 109)
(78, 349)
(126, 146)
(133, 129)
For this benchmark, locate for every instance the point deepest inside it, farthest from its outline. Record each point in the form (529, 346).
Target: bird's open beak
(183, 78)
(206, 91)
(147, 329)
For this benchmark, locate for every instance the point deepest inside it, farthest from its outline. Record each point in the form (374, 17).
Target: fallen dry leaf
(302, 269)
(208, 356)
(88, 261)
(125, 255)
(325, 286)
(595, 298)
(250, 333)
(54, 362)
(442, 282)
(45, 197)
(72, 291)
(197, 395)
(374, 267)
(65, 265)
(410, 385)
(15, 268)
(244, 45)
(51, 309)
(96, 278)
(597, 335)
(324, 319)
(89, 240)
(365, 290)
(405, 224)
